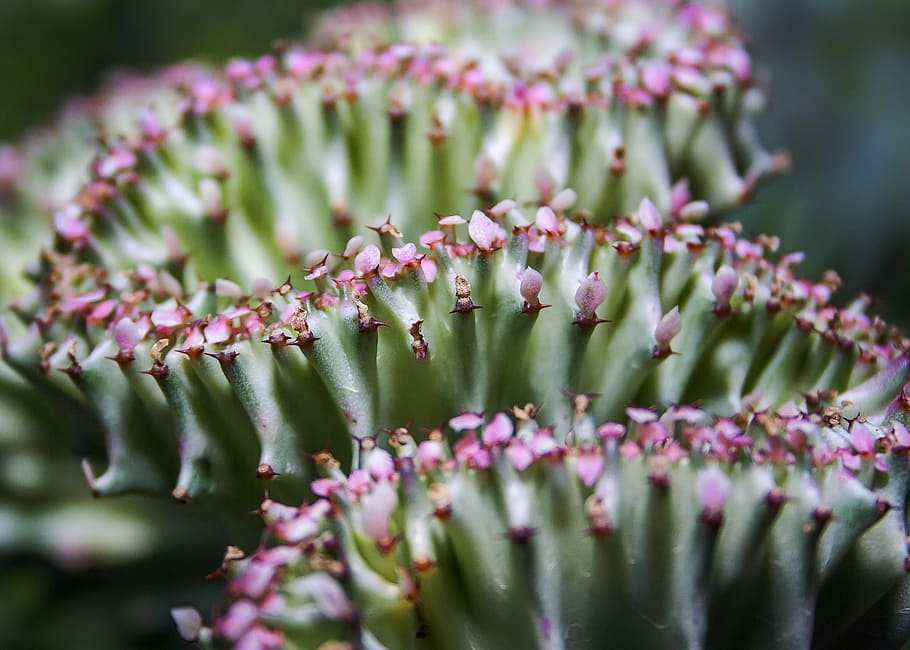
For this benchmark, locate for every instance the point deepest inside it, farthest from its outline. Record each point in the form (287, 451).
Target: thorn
(463, 302)
(533, 309)
(520, 534)
(158, 371)
(194, 353)
(180, 495)
(581, 402)
(775, 499)
(882, 507)
(589, 322)
(822, 516)
(265, 472)
(386, 228)
(419, 343)
(524, 413)
(225, 358)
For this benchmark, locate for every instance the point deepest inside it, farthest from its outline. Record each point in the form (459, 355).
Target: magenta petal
(590, 295)
(367, 260)
(589, 464)
(483, 231)
(546, 221)
(239, 618)
(466, 421)
(498, 431)
(649, 216)
(712, 488)
(519, 454)
(862, 439)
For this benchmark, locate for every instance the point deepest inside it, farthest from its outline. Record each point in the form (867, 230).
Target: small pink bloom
(194, 339)
(862, 439)
(590, 295)
(429, 239)
(629, 449)
(712, 488)
(451, 220)
(405, 254)
(519, 454)
(667, 328)
(564, 200)
(367, 260)
(101, 311)
(679, 196)
(652, 433)
(655, 77)
(546, 221)
(68, 225)
(429, 269)
(466, 421)
(640, 415)
(359, 482)
(261, 638)
(380, 464)
(218, 330)
(611, 431)
(376, 511)
(324, 487)
(188, 622)
(648, 215)
(253, 582)
(502, 208)
(327, 595)
(228, 289)
(483, 231)
(239, 618)
(724, 285)
(531, 284)
(466, 447)
(169, 317)
(498, 431)
(673, 451)
(543, 444)
(589, 464)
(430, 453)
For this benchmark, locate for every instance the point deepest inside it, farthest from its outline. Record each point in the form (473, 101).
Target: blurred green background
(840, 107)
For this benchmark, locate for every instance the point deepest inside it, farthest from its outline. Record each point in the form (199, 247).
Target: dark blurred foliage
(50, 49)
(840, 106)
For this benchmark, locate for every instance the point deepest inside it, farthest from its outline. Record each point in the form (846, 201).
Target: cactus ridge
(516, 311)
(671, 530)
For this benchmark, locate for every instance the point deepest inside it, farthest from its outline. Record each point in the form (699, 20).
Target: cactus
(673, 530)
(543, 235)
(393, 335)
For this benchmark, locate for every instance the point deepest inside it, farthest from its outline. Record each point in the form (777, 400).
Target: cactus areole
(449, 285)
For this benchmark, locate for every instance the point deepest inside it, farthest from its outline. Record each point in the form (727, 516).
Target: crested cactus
(541, 180)
(672, 530)
(516, 311)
